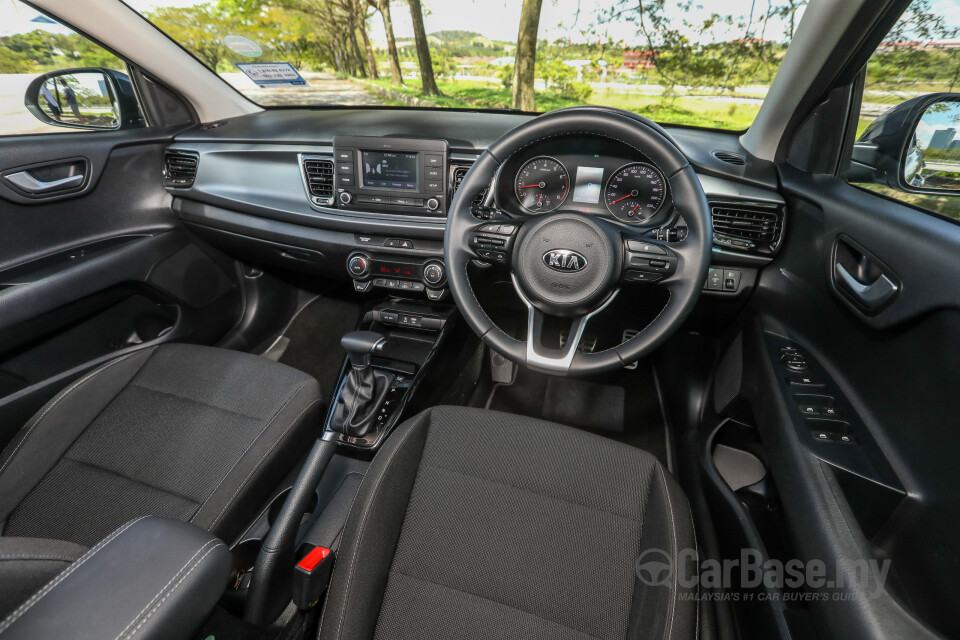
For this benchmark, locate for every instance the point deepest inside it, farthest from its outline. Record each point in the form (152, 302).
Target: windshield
(682, 62)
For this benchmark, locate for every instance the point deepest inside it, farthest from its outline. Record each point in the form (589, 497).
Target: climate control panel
(398, 276)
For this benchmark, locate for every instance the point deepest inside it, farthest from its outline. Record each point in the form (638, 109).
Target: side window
(35, 52)
(908, 136)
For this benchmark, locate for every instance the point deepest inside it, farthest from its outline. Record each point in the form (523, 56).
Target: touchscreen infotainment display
(390, 170)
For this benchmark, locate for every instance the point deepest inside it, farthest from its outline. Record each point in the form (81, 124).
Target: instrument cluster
(591, 175)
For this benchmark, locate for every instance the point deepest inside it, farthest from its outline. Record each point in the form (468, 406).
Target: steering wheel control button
(434, 274)
(633, 275)
(358, 266)
(646, 247)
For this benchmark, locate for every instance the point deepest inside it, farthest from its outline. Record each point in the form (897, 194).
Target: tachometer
(635, 192)
(542, 184)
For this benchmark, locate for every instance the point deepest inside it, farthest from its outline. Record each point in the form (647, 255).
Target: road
(14, 117)
(321, 89)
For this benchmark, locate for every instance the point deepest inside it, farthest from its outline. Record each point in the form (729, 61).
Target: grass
(686, 110)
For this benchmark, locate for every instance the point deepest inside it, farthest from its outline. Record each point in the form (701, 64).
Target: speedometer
(542, 184)
(635, 192)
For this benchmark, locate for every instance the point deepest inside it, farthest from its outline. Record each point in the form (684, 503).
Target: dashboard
(363, 194)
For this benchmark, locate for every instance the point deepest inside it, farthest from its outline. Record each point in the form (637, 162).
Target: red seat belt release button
(311, 576)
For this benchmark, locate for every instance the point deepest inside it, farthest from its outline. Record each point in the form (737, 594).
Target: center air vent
(458, 174)
(318, 177)
(747, 226)
(180, 168)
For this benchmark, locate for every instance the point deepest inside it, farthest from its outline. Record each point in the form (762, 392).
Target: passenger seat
(198, 434)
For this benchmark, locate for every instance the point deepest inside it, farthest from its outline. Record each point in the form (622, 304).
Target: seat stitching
(57, 400)
(242, 455)
(22, 609)
(502, 604)
(697, 550)
(164, 588)
(537, 493)
(256, 467)
(363, 524)
(174, 588)
(129, 479)
(36, 556)
(668, 631)
(195, 401)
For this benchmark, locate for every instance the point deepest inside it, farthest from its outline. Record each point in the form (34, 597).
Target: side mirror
(88, 98)
(913, 147)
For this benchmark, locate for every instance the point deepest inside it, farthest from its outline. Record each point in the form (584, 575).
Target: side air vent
(318, 178)
(730, 158)
(180, 168)
(747, 226)
(458, 173)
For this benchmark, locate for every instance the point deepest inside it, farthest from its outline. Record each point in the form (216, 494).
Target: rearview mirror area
(913, 147)
(932, 159)
(88, 98)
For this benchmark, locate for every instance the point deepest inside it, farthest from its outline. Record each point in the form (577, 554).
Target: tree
(428, 82)
(198, 29)
(383, 6)
(525, 63)
(371, 59)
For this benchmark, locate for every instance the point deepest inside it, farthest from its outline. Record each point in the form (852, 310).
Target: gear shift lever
(364, 389)
(361, 345)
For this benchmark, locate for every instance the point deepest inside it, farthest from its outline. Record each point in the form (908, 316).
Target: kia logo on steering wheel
(564, 260)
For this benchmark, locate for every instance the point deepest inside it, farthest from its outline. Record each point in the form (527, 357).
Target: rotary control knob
(433, 204)
(346, 198)
(434, 274)
(358, 265)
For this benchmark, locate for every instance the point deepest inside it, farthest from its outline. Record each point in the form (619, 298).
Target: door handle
(26, 182)
(871, 296)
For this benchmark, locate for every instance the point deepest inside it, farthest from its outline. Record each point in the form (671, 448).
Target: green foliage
(39, 51)
(16, 61)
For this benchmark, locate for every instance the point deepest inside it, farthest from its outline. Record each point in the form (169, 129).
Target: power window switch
(804, 381)
(831, 412)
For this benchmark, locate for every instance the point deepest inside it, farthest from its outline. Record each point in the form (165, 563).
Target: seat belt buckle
(311, 576)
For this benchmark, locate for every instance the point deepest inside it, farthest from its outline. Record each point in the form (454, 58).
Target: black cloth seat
(193, 433)
(475, 524)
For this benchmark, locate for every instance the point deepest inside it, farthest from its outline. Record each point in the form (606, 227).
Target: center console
(395, 176)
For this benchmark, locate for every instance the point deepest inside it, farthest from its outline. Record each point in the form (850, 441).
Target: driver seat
(479, 524)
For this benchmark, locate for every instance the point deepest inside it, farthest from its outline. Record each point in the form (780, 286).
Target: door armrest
(151, 578)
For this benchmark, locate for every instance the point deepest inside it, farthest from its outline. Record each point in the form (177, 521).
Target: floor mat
(623, 405)
(314, 340)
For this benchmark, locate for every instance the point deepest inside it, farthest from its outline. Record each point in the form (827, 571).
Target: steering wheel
(569, 264)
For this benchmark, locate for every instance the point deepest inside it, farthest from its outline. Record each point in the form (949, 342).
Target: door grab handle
(872, 295)
(26, 182)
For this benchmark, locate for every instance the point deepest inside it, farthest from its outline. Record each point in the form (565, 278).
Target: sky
(494, 19)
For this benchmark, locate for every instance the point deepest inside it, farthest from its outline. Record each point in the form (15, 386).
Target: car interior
(390, 372)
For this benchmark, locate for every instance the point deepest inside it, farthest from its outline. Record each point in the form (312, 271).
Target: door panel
(90, 271)
(893, 354)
